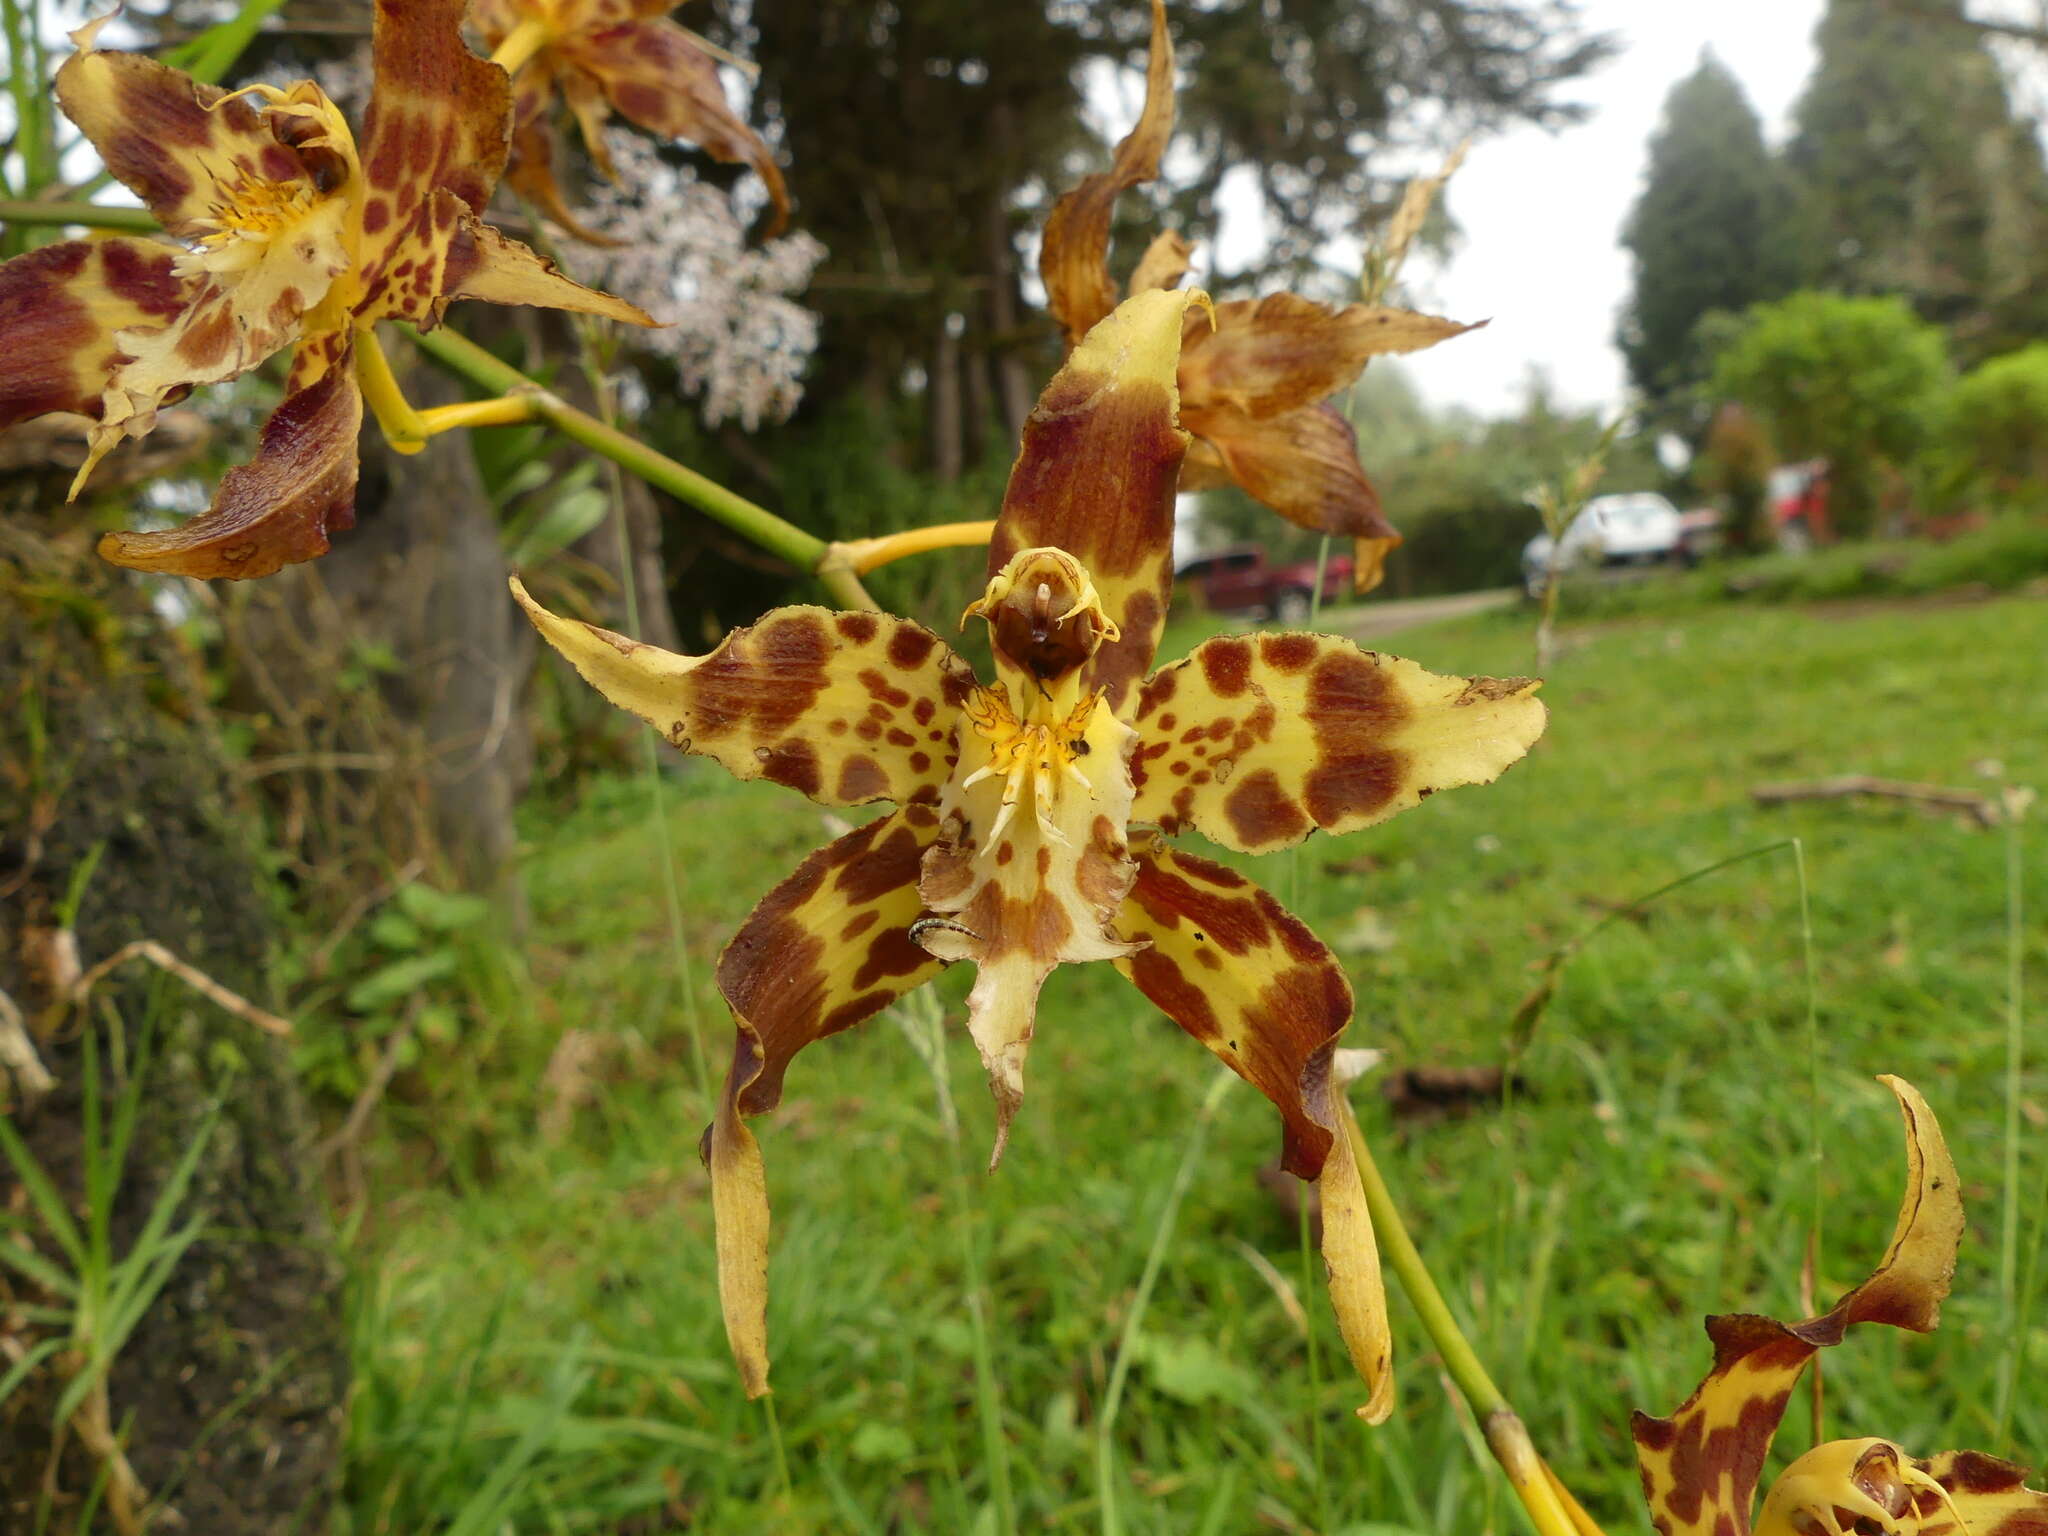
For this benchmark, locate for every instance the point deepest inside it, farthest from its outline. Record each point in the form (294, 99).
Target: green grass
(538, 1335)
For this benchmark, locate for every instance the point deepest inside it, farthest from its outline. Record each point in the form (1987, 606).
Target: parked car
(1239, 580)
(1636, 528)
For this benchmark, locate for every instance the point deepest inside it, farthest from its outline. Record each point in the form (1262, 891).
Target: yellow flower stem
(403, 426)
(521, 44)
(505, 411)
(1533, 1482)
(806, 551)
(864, 555)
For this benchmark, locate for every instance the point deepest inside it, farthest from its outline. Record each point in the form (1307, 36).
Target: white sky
(1542, 213)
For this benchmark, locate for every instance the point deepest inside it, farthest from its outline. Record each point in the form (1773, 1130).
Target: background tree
(1854, 381)
(1917, 179)
(1712, 231)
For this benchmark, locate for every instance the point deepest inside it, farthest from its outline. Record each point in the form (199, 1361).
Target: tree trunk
(232, 1386)
(397, 663)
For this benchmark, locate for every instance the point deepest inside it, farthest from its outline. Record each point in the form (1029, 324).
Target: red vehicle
(1238, 580)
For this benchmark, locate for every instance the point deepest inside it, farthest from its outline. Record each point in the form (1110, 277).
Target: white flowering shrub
(735, 334)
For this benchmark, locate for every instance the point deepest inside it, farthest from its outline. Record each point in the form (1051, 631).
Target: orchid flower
(1033, 812)
(607, 56)
(1700, 1466)
(1255, 386)
(291, 239)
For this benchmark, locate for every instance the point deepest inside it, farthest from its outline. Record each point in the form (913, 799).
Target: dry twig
(192, 976)
(1982, 809)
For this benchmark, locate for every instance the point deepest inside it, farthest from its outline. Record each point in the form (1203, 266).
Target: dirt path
(1370, 620)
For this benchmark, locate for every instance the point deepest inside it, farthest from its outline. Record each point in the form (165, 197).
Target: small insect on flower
(606, 56)
(1033, 811)
(290, 239)
(1256, 385)
(1700, 1466)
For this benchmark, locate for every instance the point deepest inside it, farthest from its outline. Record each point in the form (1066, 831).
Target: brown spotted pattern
(1700, 1466)
(827, 949)
(1257, 740)
(606, 56)
(1991, 1495)
(1239, 972)
(846, 708)
(60, 307)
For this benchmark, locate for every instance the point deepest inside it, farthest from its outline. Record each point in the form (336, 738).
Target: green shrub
(1858, 382)
(1995, 430)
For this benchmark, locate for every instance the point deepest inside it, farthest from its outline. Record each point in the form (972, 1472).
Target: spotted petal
(1097, 472)
(1303, 465)
(170, 139)
(1244, 976)
(1073, 260)
(279, 508)
(657, 75)
(60, 308)
(846, 707)
(1265, 357)
(1019, 892)
(1990, 1495)
(1255, 741)
(825, 950)
(439, 122)
(1700, 1466)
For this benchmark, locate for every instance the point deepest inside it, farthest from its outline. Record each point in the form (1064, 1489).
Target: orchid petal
(1245, 977)
(61, 307)
(1027, 874)
(1073, 259)
(1989, 1494)
(483, 264)
(1164, 263)
(1255, 741)
(173, 140)
(1096, 476)
(1700, 1466)
(438, 122)
(1265, 357)
(1303, 465)
(847, 707)
(279, 508)
(655, 74)
(825, 950)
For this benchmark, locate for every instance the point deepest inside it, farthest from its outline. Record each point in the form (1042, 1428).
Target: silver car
(1634, 528)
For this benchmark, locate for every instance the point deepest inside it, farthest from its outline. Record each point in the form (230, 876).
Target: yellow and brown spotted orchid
(1255, 385)
(1700, 1466)
(606, 56)
(1033, 811)
(292, 238)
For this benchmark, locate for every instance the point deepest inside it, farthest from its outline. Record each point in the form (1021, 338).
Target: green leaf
(561, 523)
(442, 911)
(395, 931)
(401, 978)
(1192, 1370)
(881, 1444)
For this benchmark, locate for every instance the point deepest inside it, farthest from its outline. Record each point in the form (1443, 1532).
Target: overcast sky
(1542, 212)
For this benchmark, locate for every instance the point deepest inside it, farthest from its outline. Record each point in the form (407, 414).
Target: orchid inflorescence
(1032, 814)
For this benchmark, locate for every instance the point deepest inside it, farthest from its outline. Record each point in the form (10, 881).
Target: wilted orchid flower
(1033, 811)
(1255, 385)
(291, 239)
(605, 56)
(1700, 1466)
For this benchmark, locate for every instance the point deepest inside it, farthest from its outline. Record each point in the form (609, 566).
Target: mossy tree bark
(232, 1386)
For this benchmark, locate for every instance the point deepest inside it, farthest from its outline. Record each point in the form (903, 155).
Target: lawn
(536, 1321)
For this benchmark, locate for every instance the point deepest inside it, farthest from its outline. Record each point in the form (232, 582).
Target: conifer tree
(1916, 177)
(1711, 232)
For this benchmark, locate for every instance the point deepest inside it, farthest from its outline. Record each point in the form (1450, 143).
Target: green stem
(2009, 1213)
(28, 211)
(1505, 1435)
(804, 550)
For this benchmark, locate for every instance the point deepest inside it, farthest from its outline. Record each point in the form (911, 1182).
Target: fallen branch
(197, 980)
(1982, 809)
